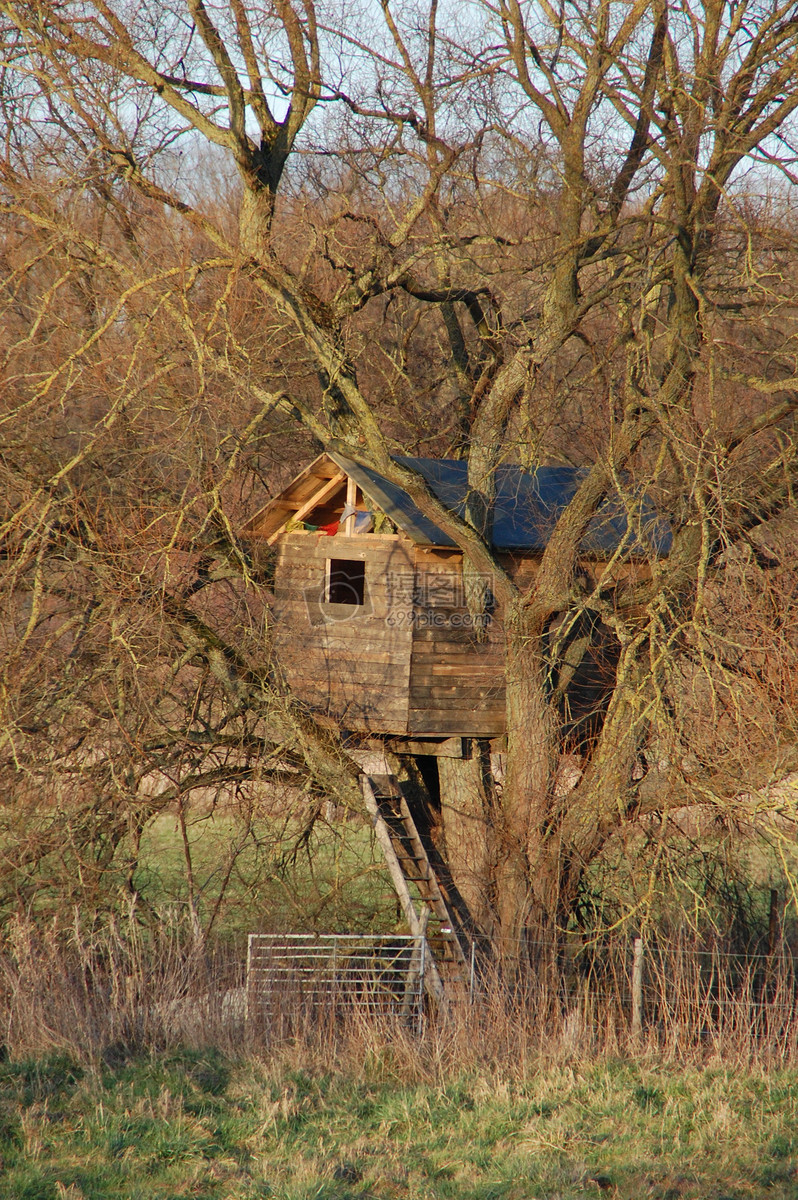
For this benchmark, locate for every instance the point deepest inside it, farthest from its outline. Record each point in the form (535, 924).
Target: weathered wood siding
(351, 662)
(456, 682)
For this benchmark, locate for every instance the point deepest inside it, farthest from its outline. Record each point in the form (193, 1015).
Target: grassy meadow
(193, 1124)
(334, 880)
(110, 1088)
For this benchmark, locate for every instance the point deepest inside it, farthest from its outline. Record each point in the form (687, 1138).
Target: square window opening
(346, 581)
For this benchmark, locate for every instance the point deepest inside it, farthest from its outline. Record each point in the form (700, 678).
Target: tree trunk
(527, 883)
(254, 223)
(468, 804)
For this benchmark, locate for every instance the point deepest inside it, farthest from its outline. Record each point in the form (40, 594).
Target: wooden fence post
(637, 989)
(773, 922)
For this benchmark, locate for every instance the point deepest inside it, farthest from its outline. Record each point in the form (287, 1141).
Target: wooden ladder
(409, 864)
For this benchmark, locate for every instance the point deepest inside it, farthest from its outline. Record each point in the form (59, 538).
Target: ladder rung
(413, 864)
(413, 860)
(412, 868)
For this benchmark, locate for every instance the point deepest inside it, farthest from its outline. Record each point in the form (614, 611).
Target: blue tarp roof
(527, 506)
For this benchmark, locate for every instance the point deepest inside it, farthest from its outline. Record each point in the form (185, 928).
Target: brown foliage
(527, 239)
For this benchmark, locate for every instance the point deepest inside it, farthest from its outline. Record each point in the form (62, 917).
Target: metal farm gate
(298, 975)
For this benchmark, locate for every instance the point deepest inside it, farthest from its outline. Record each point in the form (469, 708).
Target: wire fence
(673, 992)
(675, 989)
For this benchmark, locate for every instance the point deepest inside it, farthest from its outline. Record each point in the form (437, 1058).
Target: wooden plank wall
(456, 682)
(350, 662)
(408, 660)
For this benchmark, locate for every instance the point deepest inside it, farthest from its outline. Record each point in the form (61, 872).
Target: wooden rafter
(329, 489)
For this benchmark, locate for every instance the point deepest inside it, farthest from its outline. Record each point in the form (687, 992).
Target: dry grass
(119, 990)
(115, 991)
(129, 1074)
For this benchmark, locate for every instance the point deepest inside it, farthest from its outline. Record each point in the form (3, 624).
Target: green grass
(711, 880)
(336, 882)
(194, 1125)
(283, 877)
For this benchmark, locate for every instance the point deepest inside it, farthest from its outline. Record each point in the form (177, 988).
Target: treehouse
(370, 620)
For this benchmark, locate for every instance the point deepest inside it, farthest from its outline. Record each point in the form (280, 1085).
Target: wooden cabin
(370, 622)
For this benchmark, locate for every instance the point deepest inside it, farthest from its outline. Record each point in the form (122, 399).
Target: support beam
(351, 498)
(450, 747)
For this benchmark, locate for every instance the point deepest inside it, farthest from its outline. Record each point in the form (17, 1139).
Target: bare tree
(581, 210)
